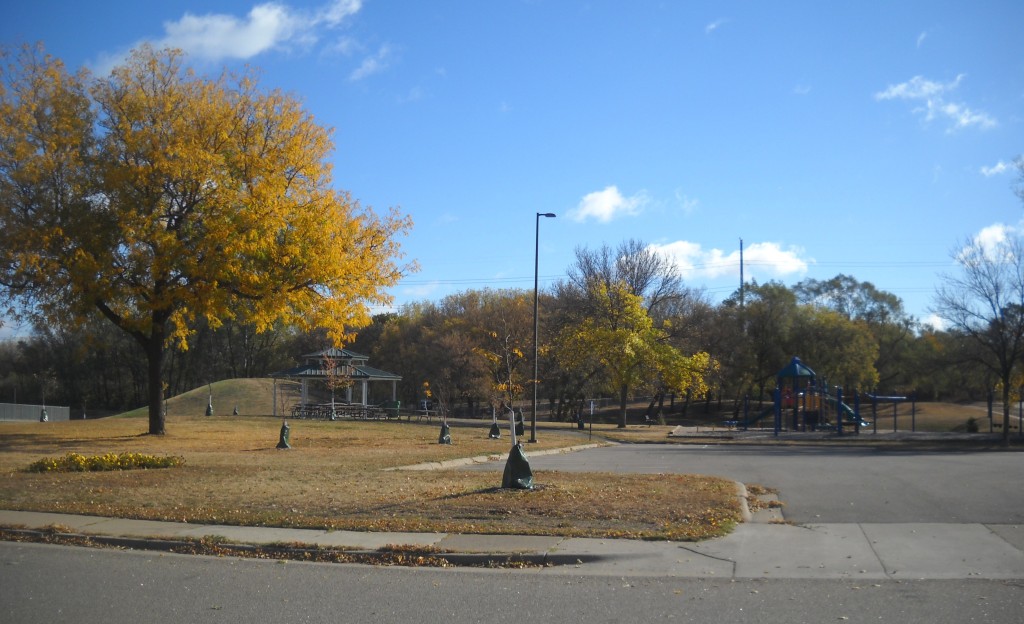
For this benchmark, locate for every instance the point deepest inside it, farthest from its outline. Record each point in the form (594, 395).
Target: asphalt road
(829, 484)
(53, 584)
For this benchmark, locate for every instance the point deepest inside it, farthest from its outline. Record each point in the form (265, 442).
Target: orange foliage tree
(156, 197)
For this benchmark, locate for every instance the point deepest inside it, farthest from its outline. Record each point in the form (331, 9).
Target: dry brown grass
(333, 478)
(937, 416)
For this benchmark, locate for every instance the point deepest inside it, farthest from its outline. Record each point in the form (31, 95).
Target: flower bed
(76, 462)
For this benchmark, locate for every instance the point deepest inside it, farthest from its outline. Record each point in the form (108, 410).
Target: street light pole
(536, 261)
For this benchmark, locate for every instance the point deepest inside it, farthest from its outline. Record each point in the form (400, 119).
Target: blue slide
(849, 415)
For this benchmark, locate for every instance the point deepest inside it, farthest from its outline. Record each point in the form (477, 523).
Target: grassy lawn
(335, 475)
(334, 478)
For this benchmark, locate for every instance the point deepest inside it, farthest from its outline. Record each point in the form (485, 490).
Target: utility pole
(741, 273)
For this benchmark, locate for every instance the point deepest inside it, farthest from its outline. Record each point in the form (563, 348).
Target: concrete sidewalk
(753, 550)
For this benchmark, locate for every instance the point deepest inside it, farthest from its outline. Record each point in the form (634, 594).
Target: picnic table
(325, 411)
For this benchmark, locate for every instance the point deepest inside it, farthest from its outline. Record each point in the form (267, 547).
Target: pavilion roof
(315, 371)
(353, 364)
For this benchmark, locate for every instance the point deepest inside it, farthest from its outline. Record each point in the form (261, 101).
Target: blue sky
(865, 138)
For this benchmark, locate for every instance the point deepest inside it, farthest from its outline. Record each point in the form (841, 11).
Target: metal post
(777, 399)
(536, 265)
(990, 399)
(856, 410)
(839, 410)
(807, 390)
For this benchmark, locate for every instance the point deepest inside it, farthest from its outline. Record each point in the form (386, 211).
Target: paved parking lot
(820, 484)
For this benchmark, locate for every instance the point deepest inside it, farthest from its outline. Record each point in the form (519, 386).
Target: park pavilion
(347, 370)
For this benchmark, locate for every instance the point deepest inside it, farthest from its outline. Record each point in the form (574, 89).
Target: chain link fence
(13, 411)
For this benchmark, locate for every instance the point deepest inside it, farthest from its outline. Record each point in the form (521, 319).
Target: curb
(306, 552)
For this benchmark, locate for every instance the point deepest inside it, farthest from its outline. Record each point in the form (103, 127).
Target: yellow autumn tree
(621, 343)
(157, 197)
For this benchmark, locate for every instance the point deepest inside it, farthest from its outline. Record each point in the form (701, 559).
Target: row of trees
(607, 329)
(621, 324)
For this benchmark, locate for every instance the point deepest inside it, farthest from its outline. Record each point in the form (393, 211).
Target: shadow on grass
(32, 442)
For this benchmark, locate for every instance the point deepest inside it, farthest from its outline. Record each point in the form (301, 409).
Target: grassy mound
(252, 397)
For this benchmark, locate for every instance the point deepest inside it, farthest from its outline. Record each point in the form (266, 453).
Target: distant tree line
(622, 324)
(851, 333)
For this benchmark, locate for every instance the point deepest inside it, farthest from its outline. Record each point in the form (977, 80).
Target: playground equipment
(895, 400)
(802, 403)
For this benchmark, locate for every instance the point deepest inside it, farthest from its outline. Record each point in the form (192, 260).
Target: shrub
(76, 462)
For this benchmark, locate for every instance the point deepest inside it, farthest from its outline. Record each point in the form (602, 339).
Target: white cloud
(933, 95)
(346, 46)
(960, 115)
(607, 205)
(335, 12)
(935, 321)
(687, 204)
(267, 26)
(715, 25)
(917, 88)
(759, 259)
(921, 38)
(996, 169)
(994, 242)
(226, 36)
(372, 64)
(992, 238)
(802, 89)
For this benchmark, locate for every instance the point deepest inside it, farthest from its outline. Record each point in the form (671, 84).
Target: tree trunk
(1006, 413)
(623, 394)
(154, 348)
